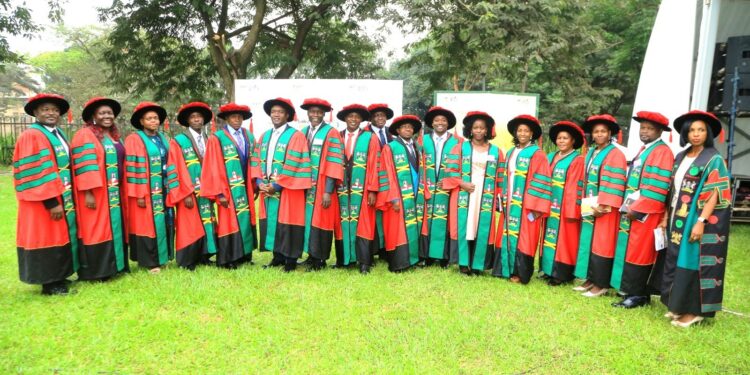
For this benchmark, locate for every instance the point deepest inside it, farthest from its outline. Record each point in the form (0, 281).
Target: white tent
(676, 73)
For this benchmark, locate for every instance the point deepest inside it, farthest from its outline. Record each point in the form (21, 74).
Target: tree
(16, 20)
(189, 47)
(572, 53)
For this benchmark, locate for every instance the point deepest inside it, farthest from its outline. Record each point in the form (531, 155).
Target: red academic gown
(529, 236)
(569, 231)
(631, 274)
(320, 228)
(215, 182)
(44, 247)
(366, 240)
(397, 241)
(98, 254)
(190, 235)
(288, 240)
(595, 264)
(148, 247)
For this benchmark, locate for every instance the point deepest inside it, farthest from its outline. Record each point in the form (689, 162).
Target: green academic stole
(513, 216)
(316, 151)
(237, 188)
(409, 208)
(623, 236)
(437, 206)
(63, 169)
(587, 224)
(279, 157)
(156, 182)
(559, 174)
(113, 199)
(350, 195)
(485, 211)
(205, 207)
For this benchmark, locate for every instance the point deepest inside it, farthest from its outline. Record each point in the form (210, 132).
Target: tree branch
(245, 53)
(223, 16)
(299, 41)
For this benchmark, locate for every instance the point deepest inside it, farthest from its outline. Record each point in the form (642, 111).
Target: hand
(223, 202)
(536, 214)
(270, 190)
(141, 202)
(371, 198)
(467, 186)
(326, 200)
(189, 203)
(630, 216)
(439, 184)
(599, 211)
(697, 233)
(56, 213)
(90, 200)
(396, 207)
(663, 222)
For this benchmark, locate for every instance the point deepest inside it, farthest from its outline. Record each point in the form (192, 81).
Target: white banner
(502, 106)
(339, 92)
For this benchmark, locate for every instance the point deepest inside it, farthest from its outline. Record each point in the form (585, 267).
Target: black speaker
(738, 56)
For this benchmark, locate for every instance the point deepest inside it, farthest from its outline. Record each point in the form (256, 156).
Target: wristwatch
(702, 219)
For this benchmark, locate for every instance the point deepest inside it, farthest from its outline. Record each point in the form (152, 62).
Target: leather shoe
(315, 265)
(591, 294)
(632, 302)
(687, 324)
(306, 262)
(364, 269)
(443, 263)
(54, 289)
(274, 263)
(289, 267)
(465, 270)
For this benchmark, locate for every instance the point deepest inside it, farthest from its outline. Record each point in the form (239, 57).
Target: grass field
(336, 321)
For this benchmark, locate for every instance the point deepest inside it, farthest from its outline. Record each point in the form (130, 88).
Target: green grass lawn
(425, 321)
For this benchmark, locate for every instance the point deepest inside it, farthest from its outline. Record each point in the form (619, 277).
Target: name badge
(317, 142)
(491, 158)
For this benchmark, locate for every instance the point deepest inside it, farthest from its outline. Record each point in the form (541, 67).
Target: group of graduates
(411, 196)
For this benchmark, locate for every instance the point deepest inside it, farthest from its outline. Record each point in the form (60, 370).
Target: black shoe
(429, 262)
(274, 263)
(290, 267)
(443, 263)
(632, 302)
(341, 266)
(229, 266)
(543, 276)
(306, 262)
(364, 269)
(554, 282)
(59, 288)
(314, 265)
(465, 270)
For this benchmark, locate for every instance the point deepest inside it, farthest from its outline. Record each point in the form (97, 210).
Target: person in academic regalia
(283, 177)
(604, 182)
(691, 272)
(195, 232)
(147, 174)
(46, 232)
(527, 200)
(563, 227)
(99, 168)
(358, 192)
(475, 174)
(645, 203)
(380, 113)
(327, 168)
(402, 193)
(440, 158)
(227, 177)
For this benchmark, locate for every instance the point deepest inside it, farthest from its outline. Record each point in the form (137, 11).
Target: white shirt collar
(407, 142)
(280, 129)
(195, 133)
(647, 145)
(440, 137)
(51, 129)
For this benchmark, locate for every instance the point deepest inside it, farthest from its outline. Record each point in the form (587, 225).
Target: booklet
(588, 204)
(660, 239)
(628, 201)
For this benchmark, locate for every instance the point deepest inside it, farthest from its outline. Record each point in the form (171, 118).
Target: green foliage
(581, 57)
(195, 49)
(429, 320)
(13, 21)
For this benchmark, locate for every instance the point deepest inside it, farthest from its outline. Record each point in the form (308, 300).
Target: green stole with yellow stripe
(623, 235)
(316, 151)
(411, 206)
(437, 206)
(486, 205)
(205, 206)
(279, 158)
(155, 183)
(237, 187)
(513, 216)
(350, 195)
(559, 175)
(587, 222)
(63, 170)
